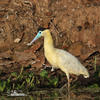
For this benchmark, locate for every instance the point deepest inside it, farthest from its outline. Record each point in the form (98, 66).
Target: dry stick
(54, 26)
(21, 38)
(35, 23)
(57, 31)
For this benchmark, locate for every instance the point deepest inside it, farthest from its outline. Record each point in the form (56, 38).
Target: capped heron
(59, 58)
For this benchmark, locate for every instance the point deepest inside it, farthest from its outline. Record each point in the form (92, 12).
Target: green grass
(27, 81)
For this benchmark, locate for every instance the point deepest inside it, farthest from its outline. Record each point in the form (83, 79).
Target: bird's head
(41, 32)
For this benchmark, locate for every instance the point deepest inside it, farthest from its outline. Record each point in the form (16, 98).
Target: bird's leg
(68, 82)
(68, 86)
(52, 69)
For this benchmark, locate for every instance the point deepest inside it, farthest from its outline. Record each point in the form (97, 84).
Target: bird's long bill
(36, 37)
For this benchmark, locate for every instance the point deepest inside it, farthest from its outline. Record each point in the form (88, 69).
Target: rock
(17, 40)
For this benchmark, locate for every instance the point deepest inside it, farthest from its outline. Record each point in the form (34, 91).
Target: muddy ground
(75, 27)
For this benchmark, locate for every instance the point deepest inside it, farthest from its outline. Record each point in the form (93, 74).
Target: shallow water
(57, 94)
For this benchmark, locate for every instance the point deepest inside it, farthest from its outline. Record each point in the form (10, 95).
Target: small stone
(17, 40)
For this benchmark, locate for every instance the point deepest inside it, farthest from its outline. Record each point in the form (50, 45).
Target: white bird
(59, 58)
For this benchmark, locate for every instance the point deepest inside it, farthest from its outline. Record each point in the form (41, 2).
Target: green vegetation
(52, 81)
(27, 81)
(2, 85)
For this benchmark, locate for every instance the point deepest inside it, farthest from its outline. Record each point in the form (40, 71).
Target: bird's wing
(67, 60)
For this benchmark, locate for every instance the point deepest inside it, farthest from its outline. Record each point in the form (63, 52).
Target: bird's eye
(39, 32)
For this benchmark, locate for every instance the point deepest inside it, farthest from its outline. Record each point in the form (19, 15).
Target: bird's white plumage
(71, 63)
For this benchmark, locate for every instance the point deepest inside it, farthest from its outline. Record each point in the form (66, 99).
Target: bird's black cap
(41, 29)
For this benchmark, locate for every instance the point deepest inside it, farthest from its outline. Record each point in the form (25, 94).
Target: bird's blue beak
(36, 37)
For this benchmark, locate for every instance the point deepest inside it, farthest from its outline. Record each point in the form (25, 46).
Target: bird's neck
(48, 42)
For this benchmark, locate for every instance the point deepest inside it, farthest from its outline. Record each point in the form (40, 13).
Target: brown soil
(75, 26)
